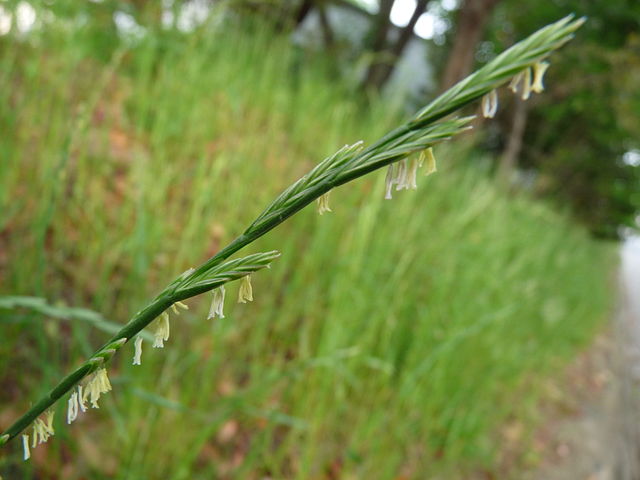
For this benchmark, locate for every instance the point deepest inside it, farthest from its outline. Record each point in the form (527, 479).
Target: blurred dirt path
(602, 440)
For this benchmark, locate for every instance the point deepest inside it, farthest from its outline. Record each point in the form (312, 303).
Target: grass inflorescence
(387, 336)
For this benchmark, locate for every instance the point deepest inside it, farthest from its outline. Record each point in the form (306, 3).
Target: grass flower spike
(433, 124)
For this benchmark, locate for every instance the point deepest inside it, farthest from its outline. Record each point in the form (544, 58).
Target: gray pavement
(602, 440)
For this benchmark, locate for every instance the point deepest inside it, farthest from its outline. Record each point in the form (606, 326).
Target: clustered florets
(97, 385)
(403, 174)
(42, 430)
(521, 84)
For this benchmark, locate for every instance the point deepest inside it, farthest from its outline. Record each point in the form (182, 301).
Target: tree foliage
(587, 121)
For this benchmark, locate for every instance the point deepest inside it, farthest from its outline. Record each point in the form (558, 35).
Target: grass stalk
(426, 129)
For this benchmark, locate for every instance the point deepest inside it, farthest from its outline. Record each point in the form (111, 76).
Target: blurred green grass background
(393, 339)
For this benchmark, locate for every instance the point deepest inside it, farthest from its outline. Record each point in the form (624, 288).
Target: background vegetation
(393, 339)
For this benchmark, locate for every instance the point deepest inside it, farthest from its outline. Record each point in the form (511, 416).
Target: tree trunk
(303, 11)
(327, 31)
(509, 160)
(472, 18)
(380, 71)
(378, 36)
(378, 40)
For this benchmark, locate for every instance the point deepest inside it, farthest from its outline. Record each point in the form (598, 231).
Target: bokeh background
(402, 339)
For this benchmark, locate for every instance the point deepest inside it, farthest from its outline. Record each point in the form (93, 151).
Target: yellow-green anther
(401, 175)
(490, 104)
(97, 385)
(323, 203)
(72, 408)
(41, 431)
(412, 173)
(245, 293)
(81, 399)
(514, 84)
(389, 181)
(217, 303)
(538, 74)
(25, 447)
(137, 355)
(162, 330)
(431, 161)
(49, 425)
